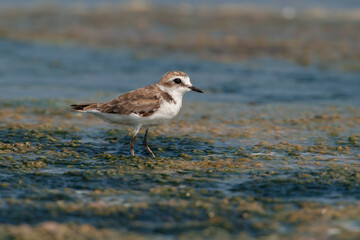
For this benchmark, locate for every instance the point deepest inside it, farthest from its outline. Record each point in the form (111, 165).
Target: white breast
(166, 112)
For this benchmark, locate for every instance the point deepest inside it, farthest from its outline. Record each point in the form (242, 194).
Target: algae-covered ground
(277, 172)
(269, 151)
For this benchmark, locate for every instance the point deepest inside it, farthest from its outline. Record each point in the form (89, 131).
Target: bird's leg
(146, 145)
(136, 130)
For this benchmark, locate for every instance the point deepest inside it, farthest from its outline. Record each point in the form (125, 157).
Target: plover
(149, 106)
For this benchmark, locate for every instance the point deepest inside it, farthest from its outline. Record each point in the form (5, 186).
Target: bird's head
(177, 81)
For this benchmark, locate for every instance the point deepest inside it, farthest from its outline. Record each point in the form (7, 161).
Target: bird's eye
(177, 80)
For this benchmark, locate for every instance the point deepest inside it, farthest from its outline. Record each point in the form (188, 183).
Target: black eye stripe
(177, 80)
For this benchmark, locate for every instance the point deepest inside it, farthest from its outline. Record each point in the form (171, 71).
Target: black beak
(195, 89)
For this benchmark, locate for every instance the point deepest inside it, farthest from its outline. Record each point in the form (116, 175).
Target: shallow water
(270, 149)
(31, 70)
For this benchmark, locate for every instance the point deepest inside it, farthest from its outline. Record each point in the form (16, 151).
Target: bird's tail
(85, 106)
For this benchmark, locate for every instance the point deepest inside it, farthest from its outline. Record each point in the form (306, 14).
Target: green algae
(278, 175)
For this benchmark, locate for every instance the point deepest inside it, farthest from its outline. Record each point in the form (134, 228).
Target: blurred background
(270, 151)
(248, 51)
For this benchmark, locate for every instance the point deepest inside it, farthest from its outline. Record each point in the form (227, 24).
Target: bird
(146, 107)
